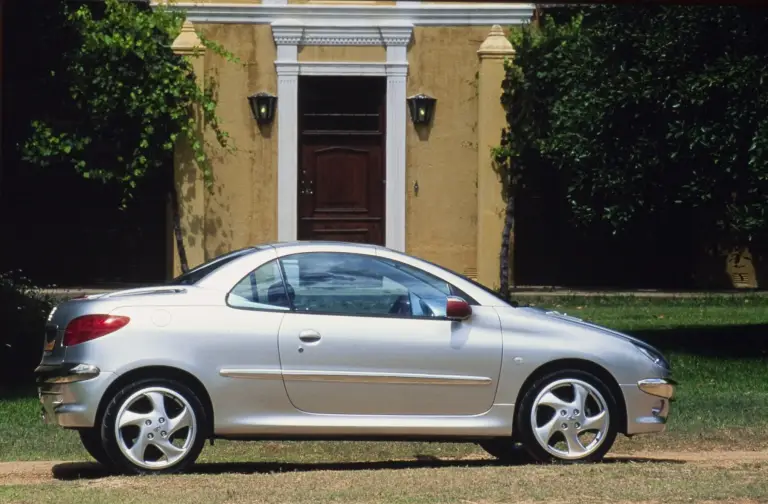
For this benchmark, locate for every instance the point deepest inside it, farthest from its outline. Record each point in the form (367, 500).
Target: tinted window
(196, 274)
(261, 288)
(352, 284)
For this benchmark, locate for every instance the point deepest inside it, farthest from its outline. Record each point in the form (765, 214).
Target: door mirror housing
(457, 309)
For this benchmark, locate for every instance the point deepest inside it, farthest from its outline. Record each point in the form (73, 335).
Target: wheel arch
(165, 372)
(581, 365)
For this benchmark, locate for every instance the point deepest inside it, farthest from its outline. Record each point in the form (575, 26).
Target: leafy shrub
(23, 312)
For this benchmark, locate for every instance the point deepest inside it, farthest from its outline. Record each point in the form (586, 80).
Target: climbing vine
(131, 99)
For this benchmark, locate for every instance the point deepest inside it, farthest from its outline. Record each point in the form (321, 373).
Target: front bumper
(648, 404)
(70, 393)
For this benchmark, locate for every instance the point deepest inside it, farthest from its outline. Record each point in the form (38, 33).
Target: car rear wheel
(91, 440)
(154, 426)
(568, 416)
(507, 450)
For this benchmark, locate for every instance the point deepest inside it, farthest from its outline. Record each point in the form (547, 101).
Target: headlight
(655, 357)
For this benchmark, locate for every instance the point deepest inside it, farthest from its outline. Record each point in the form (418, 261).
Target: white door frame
(288, 35)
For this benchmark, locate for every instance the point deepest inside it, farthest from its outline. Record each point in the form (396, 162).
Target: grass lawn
(717, 347)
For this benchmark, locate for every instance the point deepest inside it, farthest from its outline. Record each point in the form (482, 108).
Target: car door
(366, 336)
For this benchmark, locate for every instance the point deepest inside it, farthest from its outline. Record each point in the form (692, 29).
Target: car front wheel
(154, 426)
(568, 416)
(91, 440)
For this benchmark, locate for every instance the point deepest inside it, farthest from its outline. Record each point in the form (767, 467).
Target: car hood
(577, 322)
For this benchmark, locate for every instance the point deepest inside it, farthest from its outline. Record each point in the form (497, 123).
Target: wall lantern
(263, 107)
(421, 107)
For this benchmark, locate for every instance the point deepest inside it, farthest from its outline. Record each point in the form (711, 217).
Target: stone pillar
(188, 176)
(491, 120)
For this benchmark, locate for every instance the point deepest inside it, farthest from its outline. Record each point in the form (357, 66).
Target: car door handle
(309, 336)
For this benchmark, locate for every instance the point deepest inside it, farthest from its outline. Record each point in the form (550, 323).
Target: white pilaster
(397, 40)
(287, 37)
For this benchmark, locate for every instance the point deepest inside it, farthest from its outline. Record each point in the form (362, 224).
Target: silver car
(315, 340)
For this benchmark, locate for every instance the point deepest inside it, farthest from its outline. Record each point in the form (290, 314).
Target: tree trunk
(176, 215)
(506, 236)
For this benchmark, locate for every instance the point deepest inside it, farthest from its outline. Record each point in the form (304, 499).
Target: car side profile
(323, 340)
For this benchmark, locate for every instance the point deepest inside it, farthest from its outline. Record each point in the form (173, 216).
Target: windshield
(196, 274)
(480, 286)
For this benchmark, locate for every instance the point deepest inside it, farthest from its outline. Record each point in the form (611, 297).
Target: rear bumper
(70, 393)
(648, 404)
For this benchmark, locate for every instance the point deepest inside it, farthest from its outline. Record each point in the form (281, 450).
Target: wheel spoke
(131, 418)
(574, 443)
(170, 451)
(183, 419)
(158, 403)
(139, 447)
(546, 431)
(551, 400)
(597, 422)
(580, 396)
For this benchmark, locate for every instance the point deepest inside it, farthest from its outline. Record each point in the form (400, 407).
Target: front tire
(154, 426)
(568, 416)
(91, 441)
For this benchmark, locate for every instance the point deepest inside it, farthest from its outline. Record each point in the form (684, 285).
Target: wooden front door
(341, 159)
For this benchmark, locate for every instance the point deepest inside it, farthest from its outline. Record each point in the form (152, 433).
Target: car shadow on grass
(69, 471)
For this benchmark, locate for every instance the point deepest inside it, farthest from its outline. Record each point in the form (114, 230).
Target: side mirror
(457, 309)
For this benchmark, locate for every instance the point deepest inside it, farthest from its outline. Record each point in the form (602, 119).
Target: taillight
(90, 327)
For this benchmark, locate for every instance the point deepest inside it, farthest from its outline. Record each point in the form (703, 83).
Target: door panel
(341, 194)
(391, 366)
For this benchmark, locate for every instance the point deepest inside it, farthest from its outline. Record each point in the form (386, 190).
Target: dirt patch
(21, 473)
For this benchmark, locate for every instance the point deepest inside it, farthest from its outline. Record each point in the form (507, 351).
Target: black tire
(525, 428)
(506, 450)
(109, 437)
(91, 440)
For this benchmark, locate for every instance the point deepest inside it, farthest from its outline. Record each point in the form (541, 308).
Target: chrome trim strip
(251, 374)
(356, 377)
(657, 387)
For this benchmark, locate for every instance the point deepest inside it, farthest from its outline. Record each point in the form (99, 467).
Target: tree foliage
(646, 111)
(131, 97)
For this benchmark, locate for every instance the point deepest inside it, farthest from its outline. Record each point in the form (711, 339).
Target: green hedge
(640, 112)
(23, 312)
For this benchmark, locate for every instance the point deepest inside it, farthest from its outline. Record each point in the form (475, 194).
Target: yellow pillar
(188, 176)
(491, 120)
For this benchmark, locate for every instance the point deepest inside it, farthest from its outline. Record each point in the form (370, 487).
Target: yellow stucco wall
(242, 210)
(441, 221)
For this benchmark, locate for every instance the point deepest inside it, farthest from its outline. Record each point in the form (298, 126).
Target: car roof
(324, 243)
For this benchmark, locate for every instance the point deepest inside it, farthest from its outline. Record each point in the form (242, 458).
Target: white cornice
(418, 14)
(293, 32)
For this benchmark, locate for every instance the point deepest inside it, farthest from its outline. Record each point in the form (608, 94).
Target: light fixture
(263, 107)
(422, 107)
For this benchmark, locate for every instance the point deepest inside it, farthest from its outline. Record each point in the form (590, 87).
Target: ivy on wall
(131, 99)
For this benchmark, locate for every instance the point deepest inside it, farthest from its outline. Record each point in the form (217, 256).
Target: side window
(261, 288)
(352, 284)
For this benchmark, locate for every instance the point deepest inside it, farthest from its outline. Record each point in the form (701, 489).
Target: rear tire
(91, 440)
(568, 416)
(507, 451)
(154, 426)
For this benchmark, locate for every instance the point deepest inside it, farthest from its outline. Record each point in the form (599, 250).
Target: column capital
(188, 42)
(496, 45)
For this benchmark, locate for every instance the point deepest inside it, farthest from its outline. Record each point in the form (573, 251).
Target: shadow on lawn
(69, 471)
(735, 342)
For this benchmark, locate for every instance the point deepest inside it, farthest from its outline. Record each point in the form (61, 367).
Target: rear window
(196, 274)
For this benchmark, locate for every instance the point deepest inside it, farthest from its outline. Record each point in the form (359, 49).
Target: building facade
(344, 158)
